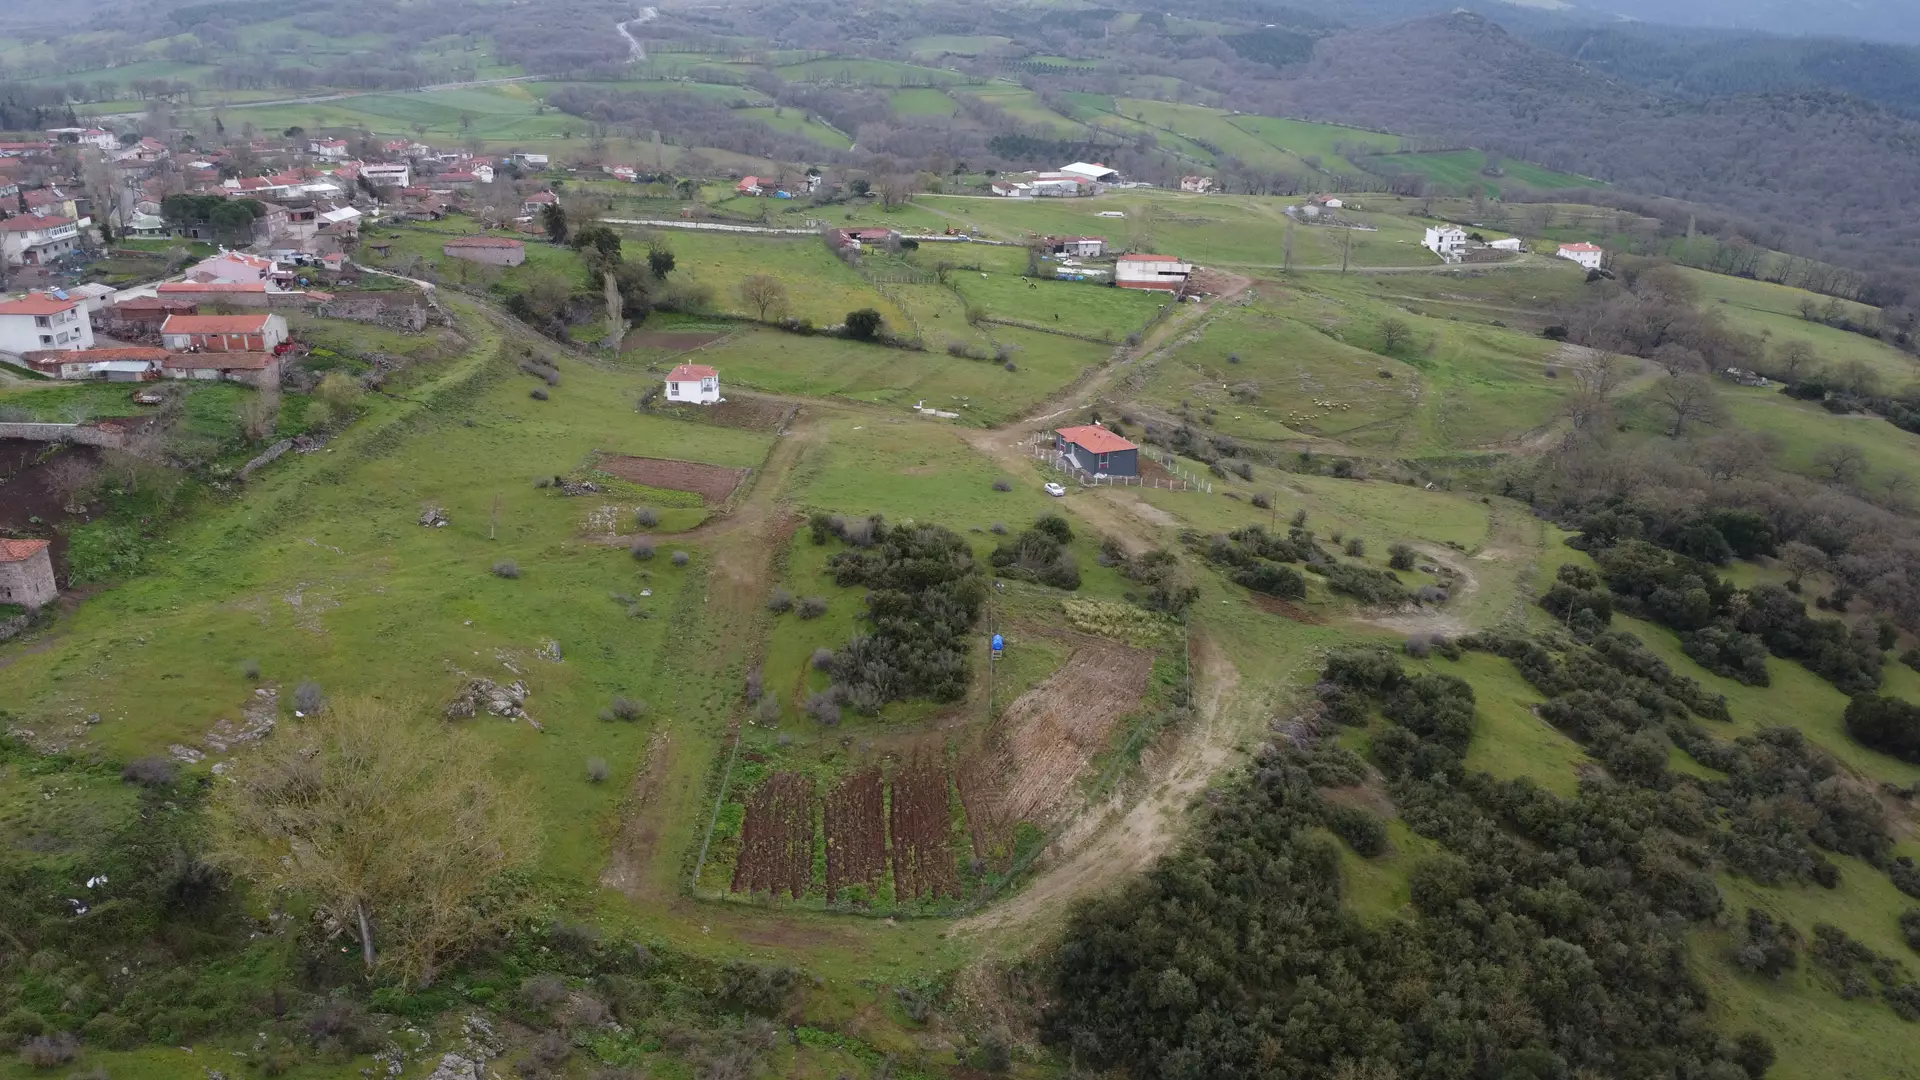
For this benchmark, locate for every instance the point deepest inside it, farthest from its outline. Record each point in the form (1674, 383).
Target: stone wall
(84, 434)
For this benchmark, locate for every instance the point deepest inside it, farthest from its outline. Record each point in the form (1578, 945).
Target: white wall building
(237, 268)
(40, 321)
(694, 383)
(1448, 242)
(383, 175)
(26, 240)
(1092, 170)
(1586, 255)
(330, 149)
(1511, 243)
(1162, 272)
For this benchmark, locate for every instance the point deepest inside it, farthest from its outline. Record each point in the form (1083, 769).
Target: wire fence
(1043, 449)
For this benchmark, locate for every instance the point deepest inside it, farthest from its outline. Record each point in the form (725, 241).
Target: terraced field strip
(856, 828)
(923, 863)
(776, 841)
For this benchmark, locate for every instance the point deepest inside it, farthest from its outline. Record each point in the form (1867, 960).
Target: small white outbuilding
(697, 384)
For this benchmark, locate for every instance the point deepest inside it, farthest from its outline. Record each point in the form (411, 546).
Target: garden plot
(923, 862)
(713, 483)
(1043, 740)
(856, 828)
(776, 841)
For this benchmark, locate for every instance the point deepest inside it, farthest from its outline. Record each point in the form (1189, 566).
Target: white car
(1056, 490)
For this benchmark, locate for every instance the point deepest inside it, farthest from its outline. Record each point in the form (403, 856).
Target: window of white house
(41, 320)
(46, 339)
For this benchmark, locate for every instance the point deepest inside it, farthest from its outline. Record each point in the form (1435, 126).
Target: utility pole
(493, 523)
(1346, 248)
(1286, 249)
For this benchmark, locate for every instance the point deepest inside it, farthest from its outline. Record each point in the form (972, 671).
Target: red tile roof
(214, 324)
(29, 223)
(1580, 247)
(1095, 439)
(86, 356)
(154, 303)
(542, 197)
(20, 550)
(483, 241)
(692, 373)
(211, 287)
(37, 304)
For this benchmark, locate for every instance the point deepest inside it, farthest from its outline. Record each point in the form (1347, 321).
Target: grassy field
(1074, 307)
(922, 101)
(982, 391)
(493, 113)
(1773, 311)
(797, 123)
(853, 71)
(1307, 139)
(933, 48)
(1461, 168)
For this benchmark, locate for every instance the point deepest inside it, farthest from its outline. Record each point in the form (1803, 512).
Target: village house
(328, 149)
(259, 370)
(1009, 189)
(1587, 255)
(144, 226)
(342, 222)
(1446, 241)
(26, 574)
(147, 149)
(141, 315)
(223, 333)
(44, 320)
(530, 161)
(136, 363)
(1151, 272)
(1198, 185)
(1060, 186)
(694, 383)
(1511, 243)
(240, 293)
(98, 138)
(749, 185)
(50, 202)
(621, 172)
(538, 202)
(235, 267)
(492, 250)
(1080, 247)
(1094, 450)
(381, 175)
(92, 294)
(28, 240)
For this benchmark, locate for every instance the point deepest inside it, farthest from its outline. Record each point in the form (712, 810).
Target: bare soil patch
(856, 825)
(676, 341)
(1045, 738)
(714, 483)
(746, 413)
(776, 841)
(923, 863)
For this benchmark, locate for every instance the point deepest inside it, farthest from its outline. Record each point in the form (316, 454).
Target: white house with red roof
(1587, 255)
(697, 384)
(538, 202)
(31, 240)
(26, 574)
(330, 149)
(223, 333)
(1151, 272)
(41, 321)
(98, 138)
(238, 267)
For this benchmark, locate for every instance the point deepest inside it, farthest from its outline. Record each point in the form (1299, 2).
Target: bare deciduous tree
(1395, 333)
(764, 294)
(1687, 399)
(68, 476)
(1801, 559)
(388, 822)
(1841, 463)
(1792, 359)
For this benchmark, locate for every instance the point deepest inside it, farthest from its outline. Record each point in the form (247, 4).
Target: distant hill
(1826, 167)
(1873, 20)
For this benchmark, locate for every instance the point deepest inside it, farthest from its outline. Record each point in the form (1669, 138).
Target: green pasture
(125, 74)
(981, 391)
(1101, 311)
(1773, 311)
(1216, 128)
(933, 48)
(1024, 105)
(497, 113)
(1305, 138)
(851, 71)
(794, 122)
(922, 101)
(820, 287)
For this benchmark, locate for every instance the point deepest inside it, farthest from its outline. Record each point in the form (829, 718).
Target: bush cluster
(1169, 588)
(924, 593)
(1039, 555)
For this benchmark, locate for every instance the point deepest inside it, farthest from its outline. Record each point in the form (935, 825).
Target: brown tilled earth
(668, 341)
(1043, 740)
(714, 483)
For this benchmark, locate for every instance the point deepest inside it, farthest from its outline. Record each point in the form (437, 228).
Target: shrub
(1886, 724)
(542, 992)
(625, 708)
(1233, 358)
(643, 548)
(1910, 927)
(999, 528)
(756, 685)
(149, 772)
(768, 711)
(1003, 484)
(812, 607)
(1011, 366)
(1356, 548)
(823, 708)
(822, 659)
(681, 558)
(780, 602)
(250, 669)
(596, 770)
(646, 517)
(506, 568)
(1262, 502)
(1363, 832)
(47, 1051)
(538, 393)
(307, 697)
(1400, 557)
(1244, 469)
(1055, 526)
(863, 325)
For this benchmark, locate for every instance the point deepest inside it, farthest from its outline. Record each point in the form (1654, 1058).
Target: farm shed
(26, 574)
(1151, 272)
(1093, 449)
